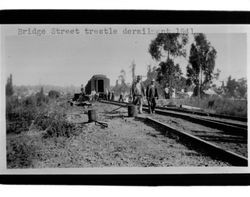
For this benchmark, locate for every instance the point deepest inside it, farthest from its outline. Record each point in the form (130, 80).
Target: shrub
(19, 114)
(213, 104)
(19, 153)
(50, 116)
(54, 94)
(54, 123)
(219, 105)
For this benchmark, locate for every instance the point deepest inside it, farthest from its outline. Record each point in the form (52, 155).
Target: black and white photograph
(98, 98)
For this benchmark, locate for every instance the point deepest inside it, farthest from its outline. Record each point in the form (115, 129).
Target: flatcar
(99, 84)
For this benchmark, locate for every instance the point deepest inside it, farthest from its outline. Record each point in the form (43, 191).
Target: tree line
(200, 70)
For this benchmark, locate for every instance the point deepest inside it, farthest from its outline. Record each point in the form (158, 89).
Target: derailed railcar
(99, 84)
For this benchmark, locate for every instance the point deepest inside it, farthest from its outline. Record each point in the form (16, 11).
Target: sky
(73, 59)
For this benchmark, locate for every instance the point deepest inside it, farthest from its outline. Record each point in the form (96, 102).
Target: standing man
(112, 96)
(152, 95)
(82, 95)
(109, 95)
(138, 93)
(93, 95)
(121, 98)
(106, 94)
(82, 90)
(166, 92)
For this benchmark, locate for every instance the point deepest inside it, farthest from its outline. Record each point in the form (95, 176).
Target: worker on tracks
(121, 98)
(82, 90)
(152, 95)
(138, 93)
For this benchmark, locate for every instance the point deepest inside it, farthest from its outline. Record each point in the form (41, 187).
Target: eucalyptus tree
(201, 63)
(164, 49)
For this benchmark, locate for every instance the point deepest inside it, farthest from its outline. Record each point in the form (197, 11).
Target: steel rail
(232, 128)
(212, 150)
(237, 118)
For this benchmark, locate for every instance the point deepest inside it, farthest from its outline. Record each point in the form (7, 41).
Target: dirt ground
(127, 142)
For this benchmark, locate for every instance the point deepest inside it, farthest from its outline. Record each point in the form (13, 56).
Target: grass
(19, 114)
(29, 124)
(32, 149)
(38, 131)
(21, 150)
(49, 115)
(213, 104)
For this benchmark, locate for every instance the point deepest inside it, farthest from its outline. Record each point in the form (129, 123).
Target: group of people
(92, 97)
(82, 96)
(109, 95)
(138, 94)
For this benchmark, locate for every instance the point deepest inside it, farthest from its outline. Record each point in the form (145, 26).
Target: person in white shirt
(166, 92)
(138, 92)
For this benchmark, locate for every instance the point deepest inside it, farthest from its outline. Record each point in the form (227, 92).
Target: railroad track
(195, 112)
(213, 150)
(202, 141)
(232, 128)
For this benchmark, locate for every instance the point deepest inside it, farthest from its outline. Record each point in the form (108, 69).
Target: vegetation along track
(236, 118)
(229, 145)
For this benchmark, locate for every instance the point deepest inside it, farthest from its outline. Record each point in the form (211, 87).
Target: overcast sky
(72, 59)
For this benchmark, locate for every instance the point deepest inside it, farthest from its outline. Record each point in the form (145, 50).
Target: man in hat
(152, 95)
(138, 93)
(82, 95)
(109, 95)
(112, 96)
(82, 90)
(121, 98)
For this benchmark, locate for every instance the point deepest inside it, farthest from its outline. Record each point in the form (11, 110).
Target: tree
(122, 76)
(151, 74)
(54, 94)
(168, 46)
(216, 74)
(9, 86)
(169, 74)
(40, 97)
(231, 87)
(121, 87)
(242, 87)
(235, 88)
(201, 64)
(181, 84)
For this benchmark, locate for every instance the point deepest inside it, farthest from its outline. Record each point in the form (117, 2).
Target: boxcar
(99, 83)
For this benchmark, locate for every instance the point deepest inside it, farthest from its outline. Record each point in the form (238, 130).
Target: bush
(54, 94)
(219, 105)
(230, 107)
(19, 153)
(212, 104)
(33, 110)
(19, 114)
(54, 123)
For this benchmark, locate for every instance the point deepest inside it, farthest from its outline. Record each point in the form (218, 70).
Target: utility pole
(170, 77)
(133, 71)
(200, 81)
(200, 76)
